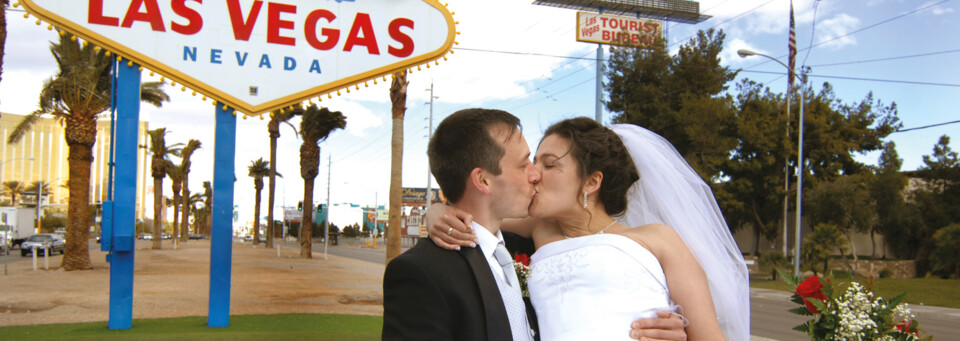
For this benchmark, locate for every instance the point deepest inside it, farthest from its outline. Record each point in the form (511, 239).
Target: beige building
(42, 155)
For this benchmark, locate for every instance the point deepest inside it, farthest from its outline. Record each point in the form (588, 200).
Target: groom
(482, 164)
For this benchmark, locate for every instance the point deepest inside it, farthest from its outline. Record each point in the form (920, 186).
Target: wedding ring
(450, 231)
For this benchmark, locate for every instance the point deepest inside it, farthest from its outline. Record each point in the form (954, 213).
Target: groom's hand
(666, 326)
(449, 227)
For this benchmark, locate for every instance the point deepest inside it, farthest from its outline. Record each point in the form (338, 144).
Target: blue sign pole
(221, 234)
(127, 96)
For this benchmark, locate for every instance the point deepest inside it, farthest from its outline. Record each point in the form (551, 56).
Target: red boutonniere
(521, 263)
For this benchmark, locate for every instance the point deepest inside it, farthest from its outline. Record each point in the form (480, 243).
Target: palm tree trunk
(256, 218)
(77, 256)
(185, 209)
(271, 189)
(157, 214)
(398, 98)
(306, 222)
(176, 215)
(3, 33)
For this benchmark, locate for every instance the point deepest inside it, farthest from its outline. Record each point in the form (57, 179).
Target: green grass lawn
(928, 291)
(242, 327)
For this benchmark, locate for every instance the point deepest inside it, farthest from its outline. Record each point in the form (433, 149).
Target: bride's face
(559, 187)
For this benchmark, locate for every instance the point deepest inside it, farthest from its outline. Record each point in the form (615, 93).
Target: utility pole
(326, 227)
(429, 194)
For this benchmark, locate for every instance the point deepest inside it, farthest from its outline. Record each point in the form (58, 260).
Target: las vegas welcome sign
(257, 56)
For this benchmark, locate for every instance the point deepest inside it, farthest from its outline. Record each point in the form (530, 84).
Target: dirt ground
(175, 283)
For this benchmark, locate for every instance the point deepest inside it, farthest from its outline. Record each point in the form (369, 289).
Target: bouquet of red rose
(521, 263)
(856, 314)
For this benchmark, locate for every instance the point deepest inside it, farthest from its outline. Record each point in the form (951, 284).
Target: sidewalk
(173, 283)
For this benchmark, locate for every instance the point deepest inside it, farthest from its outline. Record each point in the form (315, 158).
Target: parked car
(39, 241)
(166, 236)
(197, 236)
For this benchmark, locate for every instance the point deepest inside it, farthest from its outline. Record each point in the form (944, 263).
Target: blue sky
(523, 58)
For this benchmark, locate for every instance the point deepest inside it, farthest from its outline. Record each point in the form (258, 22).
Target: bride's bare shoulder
(654, 236)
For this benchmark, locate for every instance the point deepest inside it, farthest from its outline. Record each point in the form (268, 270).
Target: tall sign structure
(636, 33)
(251, 56)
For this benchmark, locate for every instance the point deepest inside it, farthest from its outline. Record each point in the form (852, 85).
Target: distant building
(45, 144)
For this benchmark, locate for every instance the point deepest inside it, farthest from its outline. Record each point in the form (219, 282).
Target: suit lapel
(498, 324)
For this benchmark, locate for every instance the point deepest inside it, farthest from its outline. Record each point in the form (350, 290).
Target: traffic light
(300, 206)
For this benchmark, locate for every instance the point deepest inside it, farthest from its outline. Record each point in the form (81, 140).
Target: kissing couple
(627, 241)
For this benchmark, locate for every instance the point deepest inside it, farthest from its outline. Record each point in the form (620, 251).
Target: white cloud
(730, 57)
(937, 10)
(835, 28)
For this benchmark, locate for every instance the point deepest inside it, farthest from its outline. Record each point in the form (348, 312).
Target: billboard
(413, 196)
(254, 55)
(618, 30)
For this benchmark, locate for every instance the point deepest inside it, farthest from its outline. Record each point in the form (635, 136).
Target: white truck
(16, 225)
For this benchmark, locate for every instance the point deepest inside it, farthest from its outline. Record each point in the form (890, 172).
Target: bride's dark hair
(597, 148)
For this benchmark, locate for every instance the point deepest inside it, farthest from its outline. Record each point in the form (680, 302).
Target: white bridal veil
(670, 192)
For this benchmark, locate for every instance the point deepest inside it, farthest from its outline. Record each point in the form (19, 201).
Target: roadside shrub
(886, 273)
(818, 246)
(945, 258)
(771, 261)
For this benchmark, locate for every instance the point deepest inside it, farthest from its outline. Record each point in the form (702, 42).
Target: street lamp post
(796, 257)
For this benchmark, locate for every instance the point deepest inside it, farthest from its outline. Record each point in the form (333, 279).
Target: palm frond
(258, 168)
(152, 92)
(24, 126)
(317, 124)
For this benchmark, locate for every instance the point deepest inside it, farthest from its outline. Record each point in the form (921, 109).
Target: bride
(624, 228)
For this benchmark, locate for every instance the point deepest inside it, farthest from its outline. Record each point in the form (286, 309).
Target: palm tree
(158, 170)
(315, 126)
(273, 127)
(185, 155)
(257, 170)
(3, 32)
(198, 211)
(13, 189)
(398, 96)
(175, 173)
(208, 205)
(77, 95)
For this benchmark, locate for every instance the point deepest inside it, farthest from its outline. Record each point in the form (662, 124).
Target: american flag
(793, 47)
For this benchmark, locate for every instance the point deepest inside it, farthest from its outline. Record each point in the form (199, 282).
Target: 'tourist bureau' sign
(618, 30)
(256, 55)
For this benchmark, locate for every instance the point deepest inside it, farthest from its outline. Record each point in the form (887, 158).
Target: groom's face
(513, 187)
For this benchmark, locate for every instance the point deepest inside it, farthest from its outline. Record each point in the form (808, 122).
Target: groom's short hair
(464, 141)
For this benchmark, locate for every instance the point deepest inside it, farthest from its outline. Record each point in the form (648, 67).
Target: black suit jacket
(434, 294)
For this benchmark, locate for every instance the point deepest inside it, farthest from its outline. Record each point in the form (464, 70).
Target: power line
(725, 21)
(813, 30)
(888, 58)
(879, 23)
(857, 30)
(524, 53)
(862, 79)
(927, 126)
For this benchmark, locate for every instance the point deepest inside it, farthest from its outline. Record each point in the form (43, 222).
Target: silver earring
(584, 199)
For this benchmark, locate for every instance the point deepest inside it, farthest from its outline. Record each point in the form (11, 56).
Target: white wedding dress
(593, 287)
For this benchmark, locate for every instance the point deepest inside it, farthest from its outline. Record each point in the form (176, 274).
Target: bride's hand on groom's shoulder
(666, 326)
(449, 227)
